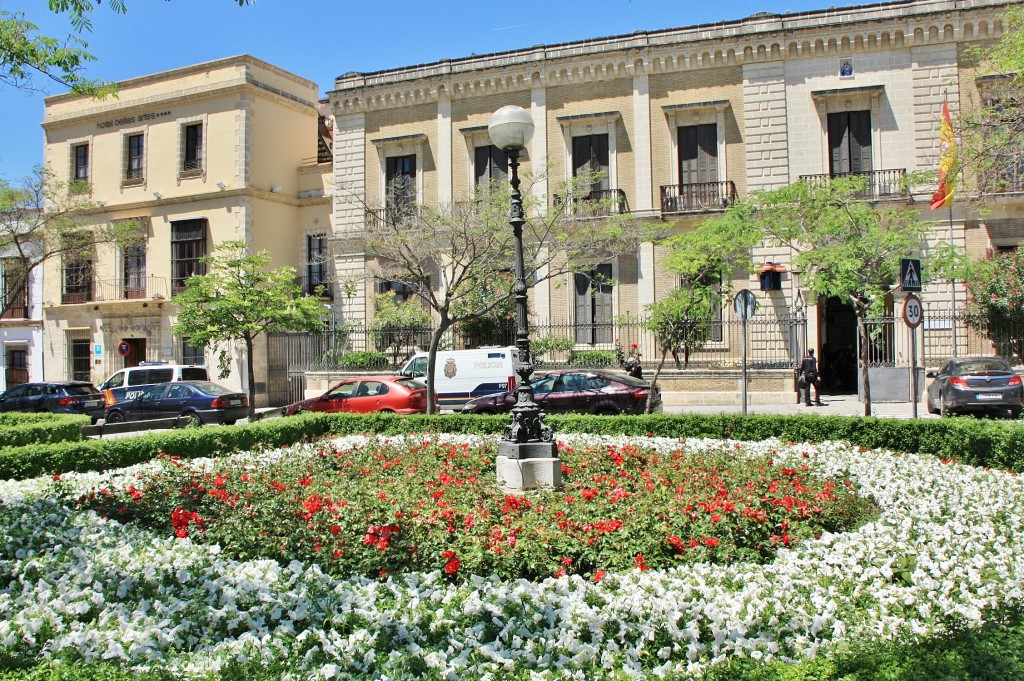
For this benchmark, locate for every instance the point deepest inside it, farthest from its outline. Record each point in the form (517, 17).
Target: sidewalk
(842, 405)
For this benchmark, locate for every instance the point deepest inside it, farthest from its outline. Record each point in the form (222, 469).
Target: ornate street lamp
(527, 457)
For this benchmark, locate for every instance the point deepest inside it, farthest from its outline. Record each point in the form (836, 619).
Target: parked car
(587, 391)
(399, 394)
(198, 401)
(73, 397)
(975, 384)
(130, 382)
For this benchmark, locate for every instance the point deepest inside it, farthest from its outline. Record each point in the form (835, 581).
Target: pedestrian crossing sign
(910, 275)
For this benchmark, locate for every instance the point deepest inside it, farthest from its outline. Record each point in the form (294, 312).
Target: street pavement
(842, 405)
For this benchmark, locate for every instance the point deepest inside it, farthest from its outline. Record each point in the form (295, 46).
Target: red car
(398, 394)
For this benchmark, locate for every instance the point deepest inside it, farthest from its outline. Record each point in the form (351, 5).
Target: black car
(73, 397)
(198, 401)
(586, 391)
(975, 384)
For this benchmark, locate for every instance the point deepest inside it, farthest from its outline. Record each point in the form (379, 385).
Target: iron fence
(772, 343)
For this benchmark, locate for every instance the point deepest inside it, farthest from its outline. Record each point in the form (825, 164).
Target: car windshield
(975, 366)
(80, 389)
(211, 388)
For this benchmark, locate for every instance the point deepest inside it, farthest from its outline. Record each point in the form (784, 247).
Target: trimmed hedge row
(31, 429)
(972, 441)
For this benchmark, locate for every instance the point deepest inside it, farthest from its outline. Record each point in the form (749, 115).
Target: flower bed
(85, 588)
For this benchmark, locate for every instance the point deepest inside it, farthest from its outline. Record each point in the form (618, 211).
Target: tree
(24, 52)
(996, 290)
(238, 299)
(992, 127)
(844, 246)
(397, 325)
(446, 253)
(42, 219)
(498, 325)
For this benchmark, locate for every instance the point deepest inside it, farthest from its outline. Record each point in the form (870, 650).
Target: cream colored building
(226, 150)
(682, 121)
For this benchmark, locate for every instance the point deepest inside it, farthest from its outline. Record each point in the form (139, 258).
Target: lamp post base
(531, 473)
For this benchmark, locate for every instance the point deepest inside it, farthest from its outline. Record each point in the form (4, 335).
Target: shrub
(32, 429)
(592, 358)
(363, 359)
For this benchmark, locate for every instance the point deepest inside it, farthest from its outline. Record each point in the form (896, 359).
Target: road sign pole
(743, 356)
(913, 372)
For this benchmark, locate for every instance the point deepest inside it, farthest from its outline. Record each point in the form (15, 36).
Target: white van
(130, 382)
(465, 374)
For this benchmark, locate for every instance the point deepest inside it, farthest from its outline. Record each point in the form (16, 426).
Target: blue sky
(321, 39)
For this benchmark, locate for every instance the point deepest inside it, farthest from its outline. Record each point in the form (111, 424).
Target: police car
(130, 382)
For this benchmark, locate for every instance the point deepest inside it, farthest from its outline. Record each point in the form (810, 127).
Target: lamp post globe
(527, 454)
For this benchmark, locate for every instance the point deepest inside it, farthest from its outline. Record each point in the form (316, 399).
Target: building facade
(682, 122)
(21, 324)
(221, 151)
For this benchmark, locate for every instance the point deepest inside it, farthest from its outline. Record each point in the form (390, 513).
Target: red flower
(452, 565)
(589, 494)
(335, 529)
(599, 575)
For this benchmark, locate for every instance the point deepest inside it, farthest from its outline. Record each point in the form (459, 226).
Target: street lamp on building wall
(527, 457)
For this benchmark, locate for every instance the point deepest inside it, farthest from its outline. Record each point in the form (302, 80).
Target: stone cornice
(774, 37)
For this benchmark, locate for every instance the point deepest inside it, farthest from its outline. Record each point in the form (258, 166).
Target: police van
(465, 374)
(130, 382)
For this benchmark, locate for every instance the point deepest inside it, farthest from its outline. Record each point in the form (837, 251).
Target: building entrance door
(837, 333)
(137, 353)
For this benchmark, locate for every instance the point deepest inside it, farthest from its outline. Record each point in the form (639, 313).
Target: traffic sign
(913, 313)
(745, 304)
(124, 348)
(910, 275)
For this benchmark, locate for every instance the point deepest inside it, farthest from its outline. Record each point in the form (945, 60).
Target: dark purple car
(583, 391)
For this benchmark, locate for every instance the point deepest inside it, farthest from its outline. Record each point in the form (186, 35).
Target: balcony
(881, 184)
(391, 215)
(598, 203)
(131, 288)
(697, 196)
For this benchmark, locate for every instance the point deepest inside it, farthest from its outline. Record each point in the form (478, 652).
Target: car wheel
(115, 417)
(943, 409)
(229, 422)
(607, 411)
(192, 419)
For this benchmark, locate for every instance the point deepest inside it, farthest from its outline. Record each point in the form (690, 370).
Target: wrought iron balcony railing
(881, 184)
(16, 302)
(132, 288)
(599, 202)
(697, 196)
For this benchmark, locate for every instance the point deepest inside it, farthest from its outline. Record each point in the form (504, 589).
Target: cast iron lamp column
(527, 437)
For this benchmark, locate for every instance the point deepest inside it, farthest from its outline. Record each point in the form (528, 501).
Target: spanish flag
(947, 161)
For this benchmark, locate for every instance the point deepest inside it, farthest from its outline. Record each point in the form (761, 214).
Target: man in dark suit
(809, 376)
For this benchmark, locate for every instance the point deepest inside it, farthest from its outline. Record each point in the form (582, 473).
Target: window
(135, 166)
(849, 141)
(192, 354)
(13, 289)
(317, 265)
(401, 291)
(80, 360)
(490, 164)
(400, 184)
(77, 279)
(188, 245)
(590, 154)
(593, 296)
(714, 283)
(698, 153)
(134, 280)
(80, 161)
(192, 156)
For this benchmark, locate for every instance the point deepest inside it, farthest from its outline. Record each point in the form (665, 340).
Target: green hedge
(974, 441)
(18, 429)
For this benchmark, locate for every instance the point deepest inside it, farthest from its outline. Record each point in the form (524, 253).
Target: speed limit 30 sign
(913, 313)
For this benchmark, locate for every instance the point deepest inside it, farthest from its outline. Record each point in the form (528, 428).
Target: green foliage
(239, 299)
(682, 320)
(363, 359)
(497, 324)
(996, 289)
(593, 358)
(49, 428)
(549, 345)
(398, 326)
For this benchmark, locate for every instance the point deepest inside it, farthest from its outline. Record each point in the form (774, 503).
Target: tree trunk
(435, 341)
(250, 376)
(654, 380)
(862, 330)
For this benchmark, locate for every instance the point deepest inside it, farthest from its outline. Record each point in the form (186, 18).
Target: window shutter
(584, 314)
(860, 141)
(839, 144)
